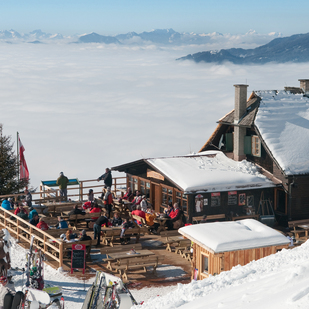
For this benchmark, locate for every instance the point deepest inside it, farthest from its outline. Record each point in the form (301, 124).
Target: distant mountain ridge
(294, 48)
(158, 37)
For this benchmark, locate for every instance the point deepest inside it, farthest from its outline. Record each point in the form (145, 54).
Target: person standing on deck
(107, 178)
(108, 201)
(28, 198)
(62, 182)
(97, 228)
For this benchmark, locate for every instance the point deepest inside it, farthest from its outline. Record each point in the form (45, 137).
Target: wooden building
(205, 183)
(219, 246)
(271, 129)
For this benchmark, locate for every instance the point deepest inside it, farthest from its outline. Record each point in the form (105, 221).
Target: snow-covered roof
(210, 171)
(233, 235)
(283, 122)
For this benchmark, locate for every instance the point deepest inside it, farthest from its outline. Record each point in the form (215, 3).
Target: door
(156, 197)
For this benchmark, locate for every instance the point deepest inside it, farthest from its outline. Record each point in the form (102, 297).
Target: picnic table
(126, 261)
(162, 222)
(54, 206)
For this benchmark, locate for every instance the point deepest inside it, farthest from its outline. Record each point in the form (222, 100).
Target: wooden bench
(57, 232)
(125, 265)
(110, 235)
(87, 217)
(145, 226)
(209, 217)
(297, 231)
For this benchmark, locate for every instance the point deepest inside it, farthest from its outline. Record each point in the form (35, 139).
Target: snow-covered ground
(277, 281)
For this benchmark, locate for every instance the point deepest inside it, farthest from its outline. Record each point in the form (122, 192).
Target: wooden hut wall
(227, 202)
(214, 262)
(218, 262)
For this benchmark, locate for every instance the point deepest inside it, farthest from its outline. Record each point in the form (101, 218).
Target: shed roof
(233, 235)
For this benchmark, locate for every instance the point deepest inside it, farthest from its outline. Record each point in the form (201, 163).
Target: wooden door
(156, 197)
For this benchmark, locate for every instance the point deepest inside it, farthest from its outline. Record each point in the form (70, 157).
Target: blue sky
(121, 16)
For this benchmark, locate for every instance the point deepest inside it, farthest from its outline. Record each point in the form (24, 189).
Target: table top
(304, 226)
(125, 255)
(110, 228)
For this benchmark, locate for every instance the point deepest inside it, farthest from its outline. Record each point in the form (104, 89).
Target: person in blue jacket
(32, 213)
(6, 204)
(62, 224)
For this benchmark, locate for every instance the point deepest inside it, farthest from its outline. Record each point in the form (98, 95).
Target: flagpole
(18, 157)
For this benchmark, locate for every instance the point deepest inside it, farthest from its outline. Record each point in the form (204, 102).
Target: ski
(98, 291)
(130, 294)
(29, 256)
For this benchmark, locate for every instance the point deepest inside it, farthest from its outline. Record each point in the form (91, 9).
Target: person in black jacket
(76, 211)
(97, 227)
(107, 178)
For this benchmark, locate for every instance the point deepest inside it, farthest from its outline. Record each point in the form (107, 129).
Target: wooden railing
(22, 231)
(76, 191)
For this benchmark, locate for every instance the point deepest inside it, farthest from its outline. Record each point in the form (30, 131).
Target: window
(256, 146)
(205, 265)
(135, 184)
(130, 182)
(167, 196)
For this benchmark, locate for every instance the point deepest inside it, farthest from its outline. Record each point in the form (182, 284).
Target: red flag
(23, 169)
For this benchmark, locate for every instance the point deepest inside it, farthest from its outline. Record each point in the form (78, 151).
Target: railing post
(61, 254)
(17, 236)
(81, 191)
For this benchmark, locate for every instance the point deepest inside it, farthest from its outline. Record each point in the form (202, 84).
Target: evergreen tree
(9, 182)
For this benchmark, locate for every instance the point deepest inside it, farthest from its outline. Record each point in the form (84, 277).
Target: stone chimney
(239, 132)
(304, 84)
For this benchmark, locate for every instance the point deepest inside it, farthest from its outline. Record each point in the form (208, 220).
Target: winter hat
(84, 232)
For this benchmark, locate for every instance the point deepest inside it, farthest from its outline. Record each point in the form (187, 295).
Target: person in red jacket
(42, 225)
(96, 209)
(20, 209)
(140, 213)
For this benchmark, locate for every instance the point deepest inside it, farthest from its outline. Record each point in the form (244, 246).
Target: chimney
(304, 84)
(239, 132)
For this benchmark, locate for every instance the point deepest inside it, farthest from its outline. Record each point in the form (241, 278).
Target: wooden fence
(22, 231)
(75, 191)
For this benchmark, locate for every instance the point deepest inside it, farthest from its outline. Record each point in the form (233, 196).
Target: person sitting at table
(128, 196)
(42, 225)
(169, 208)
(176, 218)
(76, 211)
(96, 209)
(87, 205)
(35, 220)
(62, 224)
(116, 221)
(84, 236)
(21, 212)
(90, 195)
(6, 204)
(32, 212)
(108, 201)
(97, 227)
(137, 200)
(144, 203)
(126, 224)
(150, 216)
(69, 235)
(140, 213)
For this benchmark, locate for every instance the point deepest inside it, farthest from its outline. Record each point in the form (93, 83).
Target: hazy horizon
(81, 108)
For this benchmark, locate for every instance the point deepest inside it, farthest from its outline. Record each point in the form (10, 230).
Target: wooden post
(17, 236)
(61, 255)
(81, 191)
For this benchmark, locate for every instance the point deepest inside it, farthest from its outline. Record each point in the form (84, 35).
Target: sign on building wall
(242, 199)
(199, 203)
(232, 198)
(215, 199)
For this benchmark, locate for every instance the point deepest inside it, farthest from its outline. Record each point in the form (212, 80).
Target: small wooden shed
(219, 246)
